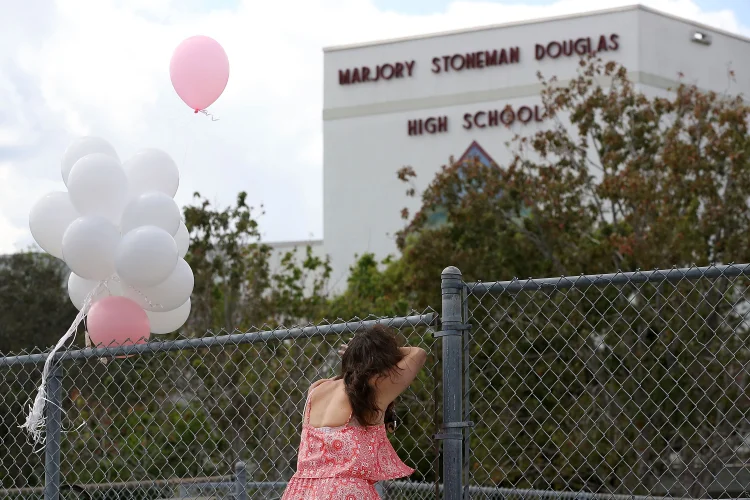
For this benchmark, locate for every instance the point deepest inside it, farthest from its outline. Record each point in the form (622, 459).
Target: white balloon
(182, 238)
(146, 256)
(89, 246)
(152, 170)
(48, 220)
(168, 295)
(98, 186)
(168, 322)
(81, 147)
(80, 288)
(151, 209)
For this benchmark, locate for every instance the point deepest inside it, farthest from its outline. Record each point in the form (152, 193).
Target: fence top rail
(599, 280)
(428, 319)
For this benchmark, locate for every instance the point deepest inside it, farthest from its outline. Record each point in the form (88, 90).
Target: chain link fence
(621, 386)
(624, 384)
(196, 417)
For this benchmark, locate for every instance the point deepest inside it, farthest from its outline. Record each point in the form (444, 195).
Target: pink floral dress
(343, 463)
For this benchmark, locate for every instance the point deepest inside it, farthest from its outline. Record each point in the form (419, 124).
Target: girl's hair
(370, 355)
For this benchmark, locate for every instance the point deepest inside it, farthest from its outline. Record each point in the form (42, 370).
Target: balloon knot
(197, 111)
(213, 118)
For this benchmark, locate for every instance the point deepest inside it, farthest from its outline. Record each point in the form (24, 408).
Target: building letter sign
(480, 59)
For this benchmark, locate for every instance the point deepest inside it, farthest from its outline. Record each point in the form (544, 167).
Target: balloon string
(213, 119)
(151, 304)
(36, 421)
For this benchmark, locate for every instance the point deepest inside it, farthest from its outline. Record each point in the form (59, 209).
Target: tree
(34, 306)
(34, 312)
(196, 412)
(373, 287)
(619, 180)
(190, 413)
(235, 286)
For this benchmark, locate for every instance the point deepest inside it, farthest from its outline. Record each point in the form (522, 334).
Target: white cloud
(12, 231)
(72, 67)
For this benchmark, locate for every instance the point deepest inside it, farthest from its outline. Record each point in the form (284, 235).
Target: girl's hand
(342, 349)
(390, 418)
(391, 426)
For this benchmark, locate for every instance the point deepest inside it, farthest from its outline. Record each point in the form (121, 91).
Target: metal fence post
(53, 416)
(240, 481)
(452, 339)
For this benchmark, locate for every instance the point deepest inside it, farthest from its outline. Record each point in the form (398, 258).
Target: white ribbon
(36, 421)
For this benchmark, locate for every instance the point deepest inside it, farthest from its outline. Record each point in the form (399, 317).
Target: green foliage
(229, 409)
(187, 414)
(618, 181)
(595, 388)
(34, 305)
(34, 312)
(235, 284)
(373, 288)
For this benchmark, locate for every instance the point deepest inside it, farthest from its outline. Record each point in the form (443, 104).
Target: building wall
(367, 124)
(666, 50)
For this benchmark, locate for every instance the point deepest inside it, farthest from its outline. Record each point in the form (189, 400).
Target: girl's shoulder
(317, 383)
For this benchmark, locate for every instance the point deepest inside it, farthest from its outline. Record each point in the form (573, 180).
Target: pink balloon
(117, 321)
(200, 71)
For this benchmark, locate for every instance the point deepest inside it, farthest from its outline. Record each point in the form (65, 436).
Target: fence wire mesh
(620, 386)
(21, 464)
(625, 384)
(174, 422)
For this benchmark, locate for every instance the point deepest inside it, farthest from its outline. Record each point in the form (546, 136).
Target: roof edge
(626, 8)
(294, 243)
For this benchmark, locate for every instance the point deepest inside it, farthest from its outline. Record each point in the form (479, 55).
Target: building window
(439, 215)
(476, 152)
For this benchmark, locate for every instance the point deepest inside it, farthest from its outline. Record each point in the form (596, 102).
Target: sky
(101, 67)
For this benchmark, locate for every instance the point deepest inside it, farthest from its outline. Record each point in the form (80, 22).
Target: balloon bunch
(120, 232)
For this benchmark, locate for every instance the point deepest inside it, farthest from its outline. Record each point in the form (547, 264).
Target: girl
(344, 448)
